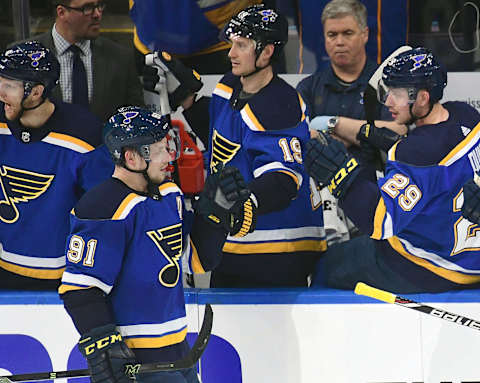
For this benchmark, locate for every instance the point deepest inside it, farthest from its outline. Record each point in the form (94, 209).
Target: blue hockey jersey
(132, 248)
(419, 200)
(43, 173)
(259, 138)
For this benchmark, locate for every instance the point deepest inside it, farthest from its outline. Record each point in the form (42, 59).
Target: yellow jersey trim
(65, 288)
(196, 263)
(460, 146)
(380, 212)
(123, 205)
(73, 140)
(295, 178)
(275, 247)
(157, 342)
(32, 272)
(453, 276)
(252, 118)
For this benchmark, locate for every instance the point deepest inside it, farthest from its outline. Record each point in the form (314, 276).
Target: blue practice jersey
(132, 247)
(260, 138)
(420, 198)
(43, 173)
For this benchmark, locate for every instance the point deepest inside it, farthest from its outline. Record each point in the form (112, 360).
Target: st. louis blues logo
(36, 57)
(169, 241)
(268, 15)
(17, 186)
(129, 116)
(420, 60)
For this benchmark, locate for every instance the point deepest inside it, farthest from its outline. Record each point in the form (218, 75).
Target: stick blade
(4, 379)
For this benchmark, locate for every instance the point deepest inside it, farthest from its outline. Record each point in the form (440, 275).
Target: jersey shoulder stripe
(121, 200)
(68, 142)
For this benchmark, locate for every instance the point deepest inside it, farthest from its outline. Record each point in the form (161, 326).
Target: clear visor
(11, 88)
(174, 143)
(398, 96)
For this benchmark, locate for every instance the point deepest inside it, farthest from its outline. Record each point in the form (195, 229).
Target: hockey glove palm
(329, 163)
(163, 70)
(106, 355)
(471, 201)
(227, 202)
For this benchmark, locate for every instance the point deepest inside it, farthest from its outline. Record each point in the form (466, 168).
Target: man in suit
(110, 70)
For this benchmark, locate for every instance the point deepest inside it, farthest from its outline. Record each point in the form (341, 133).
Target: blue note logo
(18, 186)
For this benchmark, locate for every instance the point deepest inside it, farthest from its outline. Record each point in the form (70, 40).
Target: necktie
(79, 78)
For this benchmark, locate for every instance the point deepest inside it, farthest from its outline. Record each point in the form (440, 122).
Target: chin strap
(27, 89)
(414, 118)
(257, 69)
(152, 188)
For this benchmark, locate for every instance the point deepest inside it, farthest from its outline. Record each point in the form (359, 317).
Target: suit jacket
(115, 79)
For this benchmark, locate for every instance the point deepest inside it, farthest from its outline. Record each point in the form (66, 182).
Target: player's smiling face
(160, 156)
(242, 55)
(11, 94)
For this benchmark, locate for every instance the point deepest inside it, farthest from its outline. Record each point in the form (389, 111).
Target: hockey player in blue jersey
(131, 237)
(417, 239)
(471, 203)
(257, 123)
(47, 160)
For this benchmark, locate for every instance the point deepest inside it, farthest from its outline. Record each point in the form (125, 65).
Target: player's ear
(266, 55)
(423, 97)
(130, 157)
(37, 91)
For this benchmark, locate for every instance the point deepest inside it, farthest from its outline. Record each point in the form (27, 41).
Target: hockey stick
(133, 369)
(370, 95)
(382, 295)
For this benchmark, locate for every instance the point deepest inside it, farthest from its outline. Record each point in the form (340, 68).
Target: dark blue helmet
(137, 128)
(263, 25)
(418, 69)
(31, 63)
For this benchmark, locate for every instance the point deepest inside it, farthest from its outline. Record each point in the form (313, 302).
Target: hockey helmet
(263, 25)
(31, 63)
(413, 70)
(138, 128)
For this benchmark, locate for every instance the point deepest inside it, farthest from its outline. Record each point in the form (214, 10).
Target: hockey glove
(227, 202)
(471, 201)
(181, 81)
(329, 163)
(379, 138)
(106, 355)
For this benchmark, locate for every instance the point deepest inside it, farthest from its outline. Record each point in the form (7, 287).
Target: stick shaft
(188, 361)
(385, 296)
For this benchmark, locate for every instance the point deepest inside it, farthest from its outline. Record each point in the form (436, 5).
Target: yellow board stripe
(32, 272)
(76, 141)
(380, 212)
(163, 341)
(275, 247)
(453, 276)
